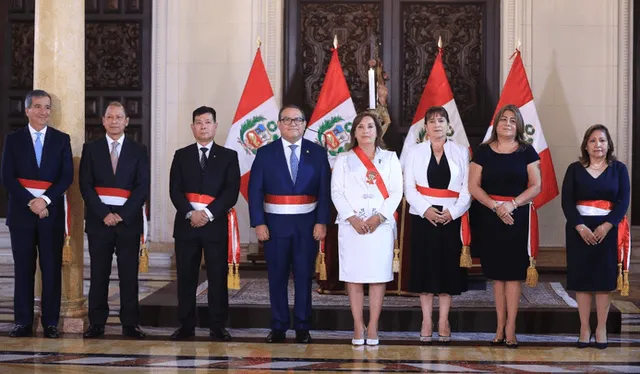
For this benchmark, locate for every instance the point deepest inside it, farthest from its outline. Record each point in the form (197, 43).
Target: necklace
(599, 166)
(508, 149)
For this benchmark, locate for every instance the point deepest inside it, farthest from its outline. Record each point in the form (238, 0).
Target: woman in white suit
(366, 189)
(436, 175)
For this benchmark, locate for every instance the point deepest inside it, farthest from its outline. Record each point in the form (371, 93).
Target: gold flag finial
(335, 41)
(259, 42)
(439, 41)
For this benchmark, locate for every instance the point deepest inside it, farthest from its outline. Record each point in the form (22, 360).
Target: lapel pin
(307, 151)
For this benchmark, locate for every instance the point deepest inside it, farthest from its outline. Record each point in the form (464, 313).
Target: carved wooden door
(117, 65)
(406, 34)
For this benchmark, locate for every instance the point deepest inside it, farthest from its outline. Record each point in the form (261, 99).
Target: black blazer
(220, 179)
(56, 166)
(132, 173)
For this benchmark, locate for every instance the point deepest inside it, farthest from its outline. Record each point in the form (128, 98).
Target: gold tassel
(143, 264)
(230, 282)
(236, 277)
(323, 268)
(532, 274)
(396, 258)
(619, 281)
(67, 255)
(465, 257)
(625, 284)
(318, 262)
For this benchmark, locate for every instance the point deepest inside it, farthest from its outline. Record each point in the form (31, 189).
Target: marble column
(58, 68)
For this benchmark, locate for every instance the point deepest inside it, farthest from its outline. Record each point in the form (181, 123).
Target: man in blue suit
(37, 169)
(289, 192)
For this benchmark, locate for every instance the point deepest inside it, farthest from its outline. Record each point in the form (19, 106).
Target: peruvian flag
(437, 92)
(254, 125)
(332, 118)
(256, 121)
(517, 91)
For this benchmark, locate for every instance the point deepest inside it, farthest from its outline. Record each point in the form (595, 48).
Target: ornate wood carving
(353, 23)
(111, 55)
(22, 55)
(461, 29)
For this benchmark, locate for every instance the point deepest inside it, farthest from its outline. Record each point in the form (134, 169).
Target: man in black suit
(114, 182)
(204, 186)
(37, 169)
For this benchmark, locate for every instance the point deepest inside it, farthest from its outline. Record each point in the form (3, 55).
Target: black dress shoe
(51, 332)
(133, 331)
(221, 335)
(276, 336)
(183, 333)
(94, 331)
(303, 337)
(20, 331)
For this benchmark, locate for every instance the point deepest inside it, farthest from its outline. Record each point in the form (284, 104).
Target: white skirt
(365, 258)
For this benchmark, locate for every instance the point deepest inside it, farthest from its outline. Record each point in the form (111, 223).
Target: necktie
(294, 162)
(38, 148)
(114, 156)
(203, 158)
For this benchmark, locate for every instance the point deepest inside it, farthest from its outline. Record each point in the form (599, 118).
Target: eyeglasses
(288, 121)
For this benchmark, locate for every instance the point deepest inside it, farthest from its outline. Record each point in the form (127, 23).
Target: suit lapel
(104, 148)
(125, 154)
(282, 159)
(211, 161)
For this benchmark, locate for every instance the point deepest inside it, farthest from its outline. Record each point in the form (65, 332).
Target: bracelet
(515, 204)
(495, 206)
(581, 229)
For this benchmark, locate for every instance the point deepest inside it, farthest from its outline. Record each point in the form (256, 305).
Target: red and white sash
(602, 208)
(36, 188)
(373, 176)
(440, 196)
(199, 202)
(533, 242)
(113, 196)
(289, 204)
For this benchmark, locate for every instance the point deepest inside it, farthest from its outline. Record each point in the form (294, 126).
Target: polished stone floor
(330, 352)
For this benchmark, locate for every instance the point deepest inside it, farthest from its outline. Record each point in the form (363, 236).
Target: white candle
(372, 89)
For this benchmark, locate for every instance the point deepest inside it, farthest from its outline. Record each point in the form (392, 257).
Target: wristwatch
(382, 218)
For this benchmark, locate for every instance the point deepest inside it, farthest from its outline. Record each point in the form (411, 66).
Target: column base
(75, 325)
(73, 316)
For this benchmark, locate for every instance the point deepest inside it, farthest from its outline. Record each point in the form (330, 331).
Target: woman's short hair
(520, 136)
(436, 110)
(376, 120)
(584, 155)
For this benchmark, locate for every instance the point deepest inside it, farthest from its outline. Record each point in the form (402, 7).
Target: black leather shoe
(94, 331)
(183, 333)
(20, 331)
(133, 331)
(221, 335)
(276, 336)
(303, 337)
(51, 332)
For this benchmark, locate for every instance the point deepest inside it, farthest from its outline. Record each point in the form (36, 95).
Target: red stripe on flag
(244, 185)
(334, 90)
(437, 91)
(516, 88)
(256, 91)
(549, 183)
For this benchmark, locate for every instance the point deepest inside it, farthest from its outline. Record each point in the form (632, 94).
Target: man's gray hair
(28, 99)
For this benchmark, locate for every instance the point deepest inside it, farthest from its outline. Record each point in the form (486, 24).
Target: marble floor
(330, 352)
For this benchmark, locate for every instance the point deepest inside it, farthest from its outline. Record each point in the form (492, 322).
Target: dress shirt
(33, 131)
(287, 152)
(110, 144)
(208, 146)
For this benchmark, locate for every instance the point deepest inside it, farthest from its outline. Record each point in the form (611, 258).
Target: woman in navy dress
(436, 175)
(595, 198)
(504, 177)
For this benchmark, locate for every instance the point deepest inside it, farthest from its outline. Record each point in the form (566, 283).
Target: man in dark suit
(114, 182)
(289, 192)
(37, 169)
(204, 186)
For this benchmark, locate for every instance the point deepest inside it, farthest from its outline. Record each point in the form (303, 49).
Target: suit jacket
(132, 174)
(220, 179)
(270, 175)
(56, 166)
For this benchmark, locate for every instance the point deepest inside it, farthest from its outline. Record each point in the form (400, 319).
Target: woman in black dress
(595, 198)
(504, 177)
(436, 175)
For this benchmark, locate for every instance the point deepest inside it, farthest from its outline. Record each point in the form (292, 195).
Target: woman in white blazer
(366, 189)
(435, 177)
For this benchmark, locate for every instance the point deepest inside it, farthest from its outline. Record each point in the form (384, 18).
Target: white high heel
(357, 342)
(373, 342)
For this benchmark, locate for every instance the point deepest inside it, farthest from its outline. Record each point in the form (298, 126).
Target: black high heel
(512, 345)
(601, 345)
(497, 341)
(582, 345)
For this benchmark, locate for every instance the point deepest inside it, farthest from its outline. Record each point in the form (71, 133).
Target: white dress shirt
(287, 152)
(33, 131)
(208, 146)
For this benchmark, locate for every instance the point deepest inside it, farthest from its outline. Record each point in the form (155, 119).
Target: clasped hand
(505, 212)
(39, 207)
(436, 216)
(365, 227)
(112, 219)
(198, 218)
(596, 236)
